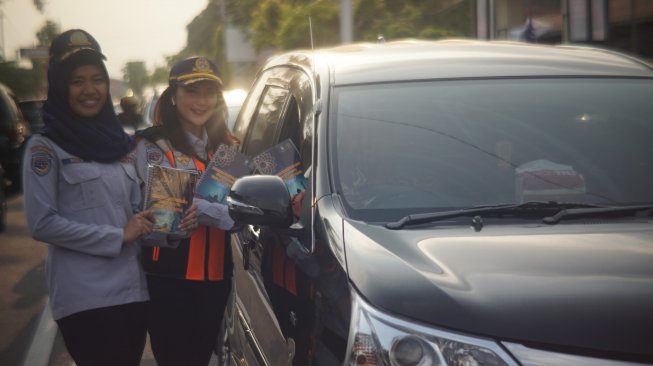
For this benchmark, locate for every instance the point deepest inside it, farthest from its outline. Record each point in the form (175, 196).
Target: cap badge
(79, 39)
(202, 65)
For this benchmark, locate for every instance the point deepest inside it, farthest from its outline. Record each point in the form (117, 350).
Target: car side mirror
(260, 200)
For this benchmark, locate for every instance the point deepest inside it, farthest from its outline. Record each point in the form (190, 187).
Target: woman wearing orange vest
(189, 284)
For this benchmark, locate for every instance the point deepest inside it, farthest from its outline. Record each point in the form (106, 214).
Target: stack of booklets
(168, 194)
(228, 164)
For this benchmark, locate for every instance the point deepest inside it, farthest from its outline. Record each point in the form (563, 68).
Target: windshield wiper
(507, 208)
(576, 212)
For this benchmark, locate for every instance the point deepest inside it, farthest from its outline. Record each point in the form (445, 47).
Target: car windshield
(405, 148)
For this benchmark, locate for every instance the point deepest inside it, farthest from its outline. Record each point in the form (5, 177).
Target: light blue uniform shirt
(79, 209)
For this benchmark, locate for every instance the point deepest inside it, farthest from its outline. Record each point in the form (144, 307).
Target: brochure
(169, 193)
(283, 160)
(227, 165)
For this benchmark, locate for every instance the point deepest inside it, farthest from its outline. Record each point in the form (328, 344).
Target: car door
(262, 324)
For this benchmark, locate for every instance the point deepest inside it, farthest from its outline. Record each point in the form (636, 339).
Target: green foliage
(205, 38)
(48, 31)
(265, 23)
(431, 19)
(159, 76)
(40, 5)
(283, 24)
(135, 75)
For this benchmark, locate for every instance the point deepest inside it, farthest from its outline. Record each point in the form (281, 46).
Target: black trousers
(108, 336)
(184, 319)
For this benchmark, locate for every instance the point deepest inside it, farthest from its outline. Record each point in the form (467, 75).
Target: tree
(283, 24)
(47, 33)
(135, 75)
(40, 5)
(159, 76)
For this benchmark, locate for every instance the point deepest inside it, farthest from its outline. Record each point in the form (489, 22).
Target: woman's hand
(189, 222)
(139, 224)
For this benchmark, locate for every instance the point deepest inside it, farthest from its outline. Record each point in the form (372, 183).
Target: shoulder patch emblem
(41, 159)
(154, 155)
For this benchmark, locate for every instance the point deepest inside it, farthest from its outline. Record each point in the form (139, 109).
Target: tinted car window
(263, 132)
(430, 146)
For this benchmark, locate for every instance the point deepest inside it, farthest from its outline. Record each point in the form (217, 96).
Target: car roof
(452, 59)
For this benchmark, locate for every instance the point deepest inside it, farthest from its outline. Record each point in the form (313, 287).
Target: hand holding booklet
(228, 164)
(283, 160)
(168, 194)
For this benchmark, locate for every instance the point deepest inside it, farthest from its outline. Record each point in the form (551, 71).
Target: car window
(262, 132)
(290, 127)
(432, 146)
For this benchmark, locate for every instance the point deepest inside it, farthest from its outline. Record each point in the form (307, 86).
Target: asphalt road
(22, 287)
(28, 336)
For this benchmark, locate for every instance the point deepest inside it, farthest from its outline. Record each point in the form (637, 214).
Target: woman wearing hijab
(188, 284)
(81, 198)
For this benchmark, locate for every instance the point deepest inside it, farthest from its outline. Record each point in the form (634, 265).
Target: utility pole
(346, 22)
(2, 35)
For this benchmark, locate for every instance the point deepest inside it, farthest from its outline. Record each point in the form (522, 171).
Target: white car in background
(234, 99)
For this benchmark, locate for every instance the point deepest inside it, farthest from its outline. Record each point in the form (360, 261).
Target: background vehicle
(31, 110)
(3, 200)
(13, 131)
(470, 203)
(234, 99)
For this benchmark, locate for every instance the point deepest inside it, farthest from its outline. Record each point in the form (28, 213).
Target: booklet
(227, 165)
(283, 160)
(169, 193)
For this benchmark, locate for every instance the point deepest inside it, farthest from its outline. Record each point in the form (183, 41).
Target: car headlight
(379, 339)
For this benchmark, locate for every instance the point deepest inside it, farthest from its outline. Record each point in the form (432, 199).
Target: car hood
(586, 288)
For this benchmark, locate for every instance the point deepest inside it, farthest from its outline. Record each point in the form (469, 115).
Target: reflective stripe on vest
(283, 270)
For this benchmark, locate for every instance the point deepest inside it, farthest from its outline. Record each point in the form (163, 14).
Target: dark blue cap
(194, 69)
(73, 41)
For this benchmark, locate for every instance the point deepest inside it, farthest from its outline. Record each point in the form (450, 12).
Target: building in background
(624, 25)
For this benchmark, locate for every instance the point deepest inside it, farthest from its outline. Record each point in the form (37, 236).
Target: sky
(127, 30)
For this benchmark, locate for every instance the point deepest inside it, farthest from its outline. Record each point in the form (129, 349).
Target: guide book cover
(227, 165)
(169, 193)
(283, 160)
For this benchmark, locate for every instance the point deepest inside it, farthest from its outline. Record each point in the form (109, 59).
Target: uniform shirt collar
(198, 144)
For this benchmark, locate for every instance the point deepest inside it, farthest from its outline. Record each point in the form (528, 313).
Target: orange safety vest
(200, 257)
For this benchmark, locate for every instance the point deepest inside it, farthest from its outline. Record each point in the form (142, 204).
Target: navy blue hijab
(99, 138)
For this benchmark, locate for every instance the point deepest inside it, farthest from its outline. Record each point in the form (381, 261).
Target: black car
(470, 203)
(3, 200)
(13, 132)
